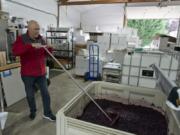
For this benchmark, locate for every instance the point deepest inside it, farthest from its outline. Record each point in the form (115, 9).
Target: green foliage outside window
(147, 29)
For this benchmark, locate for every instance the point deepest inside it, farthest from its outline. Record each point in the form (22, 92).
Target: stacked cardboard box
(79, 47)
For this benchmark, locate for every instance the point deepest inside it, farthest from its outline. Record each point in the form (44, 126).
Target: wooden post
(58, 13)
(125, 17)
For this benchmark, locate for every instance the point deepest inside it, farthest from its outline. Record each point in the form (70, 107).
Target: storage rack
(62, 39)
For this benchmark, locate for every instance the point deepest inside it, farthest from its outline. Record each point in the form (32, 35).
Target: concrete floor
(61, 91)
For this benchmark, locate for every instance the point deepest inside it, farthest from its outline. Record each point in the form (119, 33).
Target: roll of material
(177, 48)
(173, 100)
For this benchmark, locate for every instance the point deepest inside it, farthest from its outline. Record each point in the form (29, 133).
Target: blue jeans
(29, 83)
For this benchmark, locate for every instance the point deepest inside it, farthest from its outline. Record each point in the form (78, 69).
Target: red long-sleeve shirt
(33, 60)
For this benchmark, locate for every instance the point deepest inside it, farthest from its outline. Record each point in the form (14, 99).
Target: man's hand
(37, 45)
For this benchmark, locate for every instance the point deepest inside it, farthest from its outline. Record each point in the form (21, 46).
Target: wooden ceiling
(87, 2)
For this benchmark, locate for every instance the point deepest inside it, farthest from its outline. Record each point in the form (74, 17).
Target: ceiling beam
(87, 2)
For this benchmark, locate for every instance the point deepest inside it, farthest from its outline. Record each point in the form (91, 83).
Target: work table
(11, 84)
(9, 66)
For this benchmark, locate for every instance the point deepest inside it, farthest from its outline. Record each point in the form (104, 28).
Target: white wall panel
(28, 13)
(150, 12)
(107, 18)
(69, 17)
(46, 5)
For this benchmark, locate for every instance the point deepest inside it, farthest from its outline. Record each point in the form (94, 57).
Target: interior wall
(69, 17)
(153, 12)
(106, 18)
(28, 13)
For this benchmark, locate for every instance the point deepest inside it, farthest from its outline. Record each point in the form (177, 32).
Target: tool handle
(1, 95)
(77, 84)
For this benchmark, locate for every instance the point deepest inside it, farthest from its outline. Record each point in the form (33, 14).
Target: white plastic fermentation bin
(67, 124)
(136, 70)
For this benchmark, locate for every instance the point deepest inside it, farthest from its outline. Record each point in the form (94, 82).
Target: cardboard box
(79, 47)
(64, 62)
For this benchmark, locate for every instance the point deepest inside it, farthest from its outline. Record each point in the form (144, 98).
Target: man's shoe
(32, 116)
(50, 117)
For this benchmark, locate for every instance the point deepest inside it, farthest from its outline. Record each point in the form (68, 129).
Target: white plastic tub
(67, 124)
(133, 67)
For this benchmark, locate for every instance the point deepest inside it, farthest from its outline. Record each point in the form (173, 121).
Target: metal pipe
(165, 83)
(1, 95)
(178, 44)
(178, 34)
(151, 4)
(0, 5)
(110, 42)
(140, 66)
(27, 6)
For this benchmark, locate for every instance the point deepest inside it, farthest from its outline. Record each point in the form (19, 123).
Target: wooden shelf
(9, 66)
(57, 50)
(62, 37)
(60, 31)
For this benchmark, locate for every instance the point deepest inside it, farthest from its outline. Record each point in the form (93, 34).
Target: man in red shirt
(33, 67)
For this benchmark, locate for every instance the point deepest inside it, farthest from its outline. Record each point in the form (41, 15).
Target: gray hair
(32, 23)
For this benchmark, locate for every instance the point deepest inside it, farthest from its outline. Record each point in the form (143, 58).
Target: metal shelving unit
(62, 39)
